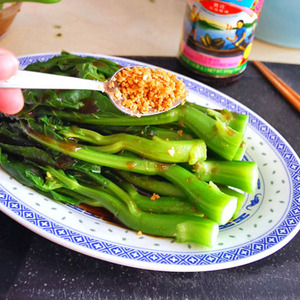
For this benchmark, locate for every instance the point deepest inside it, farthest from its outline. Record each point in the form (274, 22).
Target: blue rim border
(162, 260)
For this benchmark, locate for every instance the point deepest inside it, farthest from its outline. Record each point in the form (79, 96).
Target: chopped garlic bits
(144, 90)
(154, 197)
(171, 151)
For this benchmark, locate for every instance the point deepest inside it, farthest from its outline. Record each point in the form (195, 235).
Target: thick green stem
(219, 137)
(169, 133)
(237, 122)
(207, 198)
(214, 204)
(116, 190)
(93, 119)
(155, 224)
(239, 174)
(189, 230)
(156, 149)
(162, 205)
(240, 199)
(168, 189)
(151, 184)
(241, 151)
(164, 133)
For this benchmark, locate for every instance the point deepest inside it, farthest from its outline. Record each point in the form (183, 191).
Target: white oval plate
(268, 220)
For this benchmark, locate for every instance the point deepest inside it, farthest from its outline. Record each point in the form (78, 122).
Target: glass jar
(217, 37)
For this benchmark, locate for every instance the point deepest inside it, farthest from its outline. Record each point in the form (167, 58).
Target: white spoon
(37, 80)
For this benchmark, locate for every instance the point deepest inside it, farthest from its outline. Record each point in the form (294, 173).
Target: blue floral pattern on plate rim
(268, 243)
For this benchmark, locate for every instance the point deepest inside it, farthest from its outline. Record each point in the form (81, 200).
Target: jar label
(218, 35)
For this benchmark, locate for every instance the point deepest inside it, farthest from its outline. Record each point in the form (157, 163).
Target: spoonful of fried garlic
(137, 91)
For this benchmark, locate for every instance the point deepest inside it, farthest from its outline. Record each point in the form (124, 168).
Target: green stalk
(214, 204)
(168, 189)
(220, 138)
(240, 199)
(162, 205)
(190, 231)
(68, 196)
(149, 132)
(207, 198)
(151, 184)
(239, 174)
(125, 120)
(237, 122)
(164, 133)
(241, 151)
(108, 184)
(154, 224)
(156, 149)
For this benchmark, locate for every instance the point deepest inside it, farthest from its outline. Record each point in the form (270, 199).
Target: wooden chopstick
(286, 91)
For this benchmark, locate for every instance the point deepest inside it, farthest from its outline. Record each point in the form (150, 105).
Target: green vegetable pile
(178, 174)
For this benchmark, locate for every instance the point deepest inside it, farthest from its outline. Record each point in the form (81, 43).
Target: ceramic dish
(269, 219)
